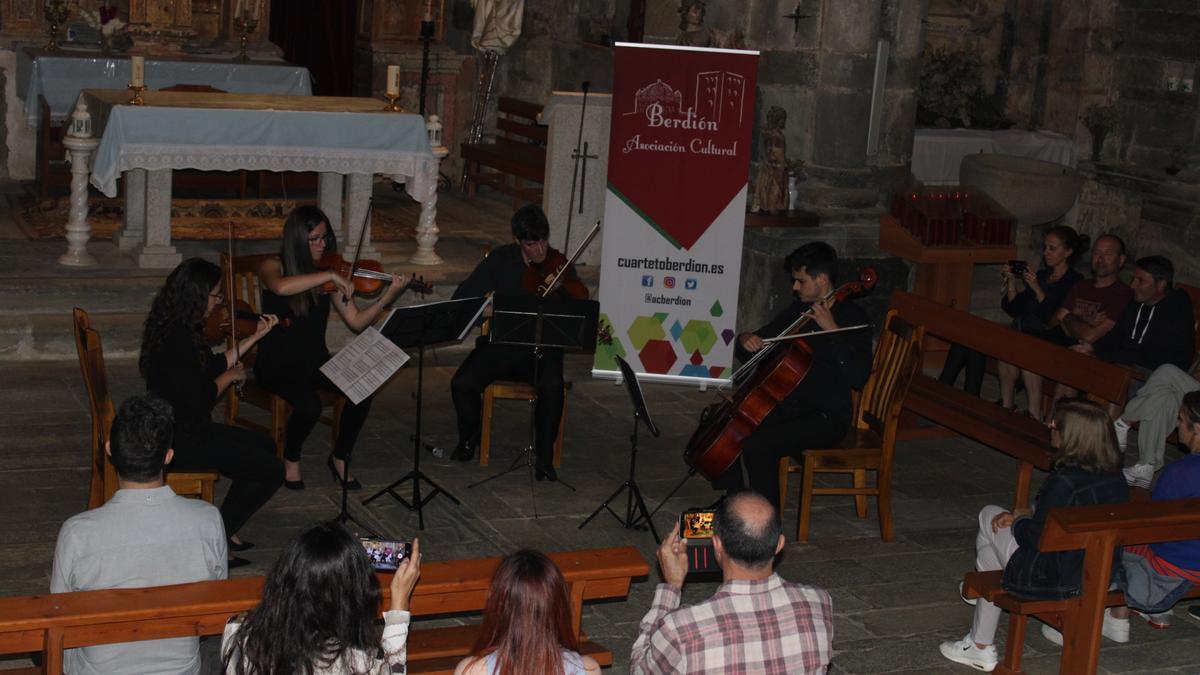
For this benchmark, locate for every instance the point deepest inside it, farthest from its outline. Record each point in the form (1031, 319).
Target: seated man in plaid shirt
(755, 623)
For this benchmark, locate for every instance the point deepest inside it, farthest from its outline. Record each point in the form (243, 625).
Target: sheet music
(363, 365)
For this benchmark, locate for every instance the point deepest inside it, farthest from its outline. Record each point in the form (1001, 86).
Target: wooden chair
(52, 169)
(95, 380)
(240, 282)
(511, 390)
(869, 444)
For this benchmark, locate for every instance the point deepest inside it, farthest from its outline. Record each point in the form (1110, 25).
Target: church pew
(53, 622)
(1012, 433)
(1097, 530)
(519, 151)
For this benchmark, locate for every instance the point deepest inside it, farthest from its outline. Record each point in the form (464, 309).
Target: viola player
(818, 411)
(289, 359)
(503, 271)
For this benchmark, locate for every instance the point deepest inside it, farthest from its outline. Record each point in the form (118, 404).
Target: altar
(345, 140)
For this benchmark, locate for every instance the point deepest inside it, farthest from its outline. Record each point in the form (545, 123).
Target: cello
(760, 384)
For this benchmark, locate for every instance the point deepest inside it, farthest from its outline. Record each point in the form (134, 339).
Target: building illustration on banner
(718, 95)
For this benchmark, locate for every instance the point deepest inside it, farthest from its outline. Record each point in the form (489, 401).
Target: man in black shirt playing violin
(817, 412)
(502, 272)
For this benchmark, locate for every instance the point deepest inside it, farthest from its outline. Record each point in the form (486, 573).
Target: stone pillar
(587, 177)
(358, 193)
(81, 145)
(133, 233)
(158, 251)
(329, 200)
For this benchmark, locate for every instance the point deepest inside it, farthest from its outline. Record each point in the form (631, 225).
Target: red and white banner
(678, 164)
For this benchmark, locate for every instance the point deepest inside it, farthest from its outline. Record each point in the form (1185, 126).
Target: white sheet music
(364, 364)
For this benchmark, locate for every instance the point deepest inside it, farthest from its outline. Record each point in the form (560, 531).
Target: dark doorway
(318, 35)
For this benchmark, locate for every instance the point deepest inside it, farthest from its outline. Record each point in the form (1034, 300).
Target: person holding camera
(1033, 308)
(783, 627)
(318, 612)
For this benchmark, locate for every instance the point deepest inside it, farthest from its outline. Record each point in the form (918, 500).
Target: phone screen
(696, 524)
(385, 555)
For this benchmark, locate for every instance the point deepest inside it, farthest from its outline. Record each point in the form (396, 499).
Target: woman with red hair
(527, 623)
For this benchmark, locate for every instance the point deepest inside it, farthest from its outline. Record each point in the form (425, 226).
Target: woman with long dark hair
(180, 368)
(318, 612)
(289, 360)
(1086, 472)
(527, 623)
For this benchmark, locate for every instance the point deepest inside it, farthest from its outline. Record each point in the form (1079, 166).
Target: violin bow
(571, 261)
(237, 356)
(362, 232)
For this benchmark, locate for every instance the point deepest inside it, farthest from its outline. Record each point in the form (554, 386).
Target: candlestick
(136, 99)
(245, 27)
(137, 71)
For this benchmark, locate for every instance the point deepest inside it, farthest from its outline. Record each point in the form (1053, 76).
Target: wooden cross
(795, 16)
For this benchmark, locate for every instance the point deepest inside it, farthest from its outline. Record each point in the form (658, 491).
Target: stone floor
(893, 603)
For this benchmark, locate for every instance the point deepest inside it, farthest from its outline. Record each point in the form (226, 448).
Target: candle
(428, 10)
(254, 14)
(393, 81)
(137, 67)
(237, 11)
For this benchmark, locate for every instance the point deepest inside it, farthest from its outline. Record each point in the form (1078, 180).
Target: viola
(550, 275)
(368, 275)
(218, 328)
(765, 380)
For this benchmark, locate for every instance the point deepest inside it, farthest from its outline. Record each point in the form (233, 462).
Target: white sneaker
(1114, 629)
(1139, 475)
(965, 652)
(969, 601)
(1122, 428)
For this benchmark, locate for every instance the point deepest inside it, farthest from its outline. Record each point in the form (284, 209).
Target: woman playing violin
(290, 359)
(817, 413)
(503, 272)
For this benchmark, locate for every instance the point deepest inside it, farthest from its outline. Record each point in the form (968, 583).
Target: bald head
(749, 528)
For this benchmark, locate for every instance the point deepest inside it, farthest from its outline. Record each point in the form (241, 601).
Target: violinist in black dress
(817, 413)
(289, 359)
(502, 272)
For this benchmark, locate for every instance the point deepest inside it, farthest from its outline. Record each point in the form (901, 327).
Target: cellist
(817, 413)
(502, 271)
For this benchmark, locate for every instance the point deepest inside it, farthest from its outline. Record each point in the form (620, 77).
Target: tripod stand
(344, 514)
(418, 325)
(634, 497)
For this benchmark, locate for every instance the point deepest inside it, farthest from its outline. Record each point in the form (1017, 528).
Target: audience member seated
(755, 623)
(1154, 408)
(1085, 472)
(527, 623)
(1158, 327)
(318, 612)
(1034, 308)
(146, 535)
(1155, 576)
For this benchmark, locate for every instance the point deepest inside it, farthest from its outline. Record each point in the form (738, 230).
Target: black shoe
(294, 484)
(547, 472)
(464, 452)
(352, 485)
(244, 546)
(236, 562)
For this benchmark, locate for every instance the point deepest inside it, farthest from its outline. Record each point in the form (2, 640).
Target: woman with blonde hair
(527, 624)
(1086, 471)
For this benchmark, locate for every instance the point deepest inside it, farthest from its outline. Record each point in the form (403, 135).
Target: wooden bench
(1012, 433)
(52, 623)
(1098, 531)
(519, 152)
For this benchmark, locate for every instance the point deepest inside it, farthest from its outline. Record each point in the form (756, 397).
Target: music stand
(419, 325)
(529, 321)
(634, 498)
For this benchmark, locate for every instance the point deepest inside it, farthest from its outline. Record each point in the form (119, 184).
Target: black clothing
(180, 374)
(501, 272)
(288, 364)
(818, 411)
(1031, 572)
(1031, 316)
(960, 357)
(1151, 335)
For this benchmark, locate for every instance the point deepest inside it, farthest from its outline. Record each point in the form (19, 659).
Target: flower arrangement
(103, 19)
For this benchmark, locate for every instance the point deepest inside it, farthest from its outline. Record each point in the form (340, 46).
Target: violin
(761, 383)
(554, 267)
(217, 327)
(368, 275)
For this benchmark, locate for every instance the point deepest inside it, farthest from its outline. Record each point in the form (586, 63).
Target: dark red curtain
(319, 35)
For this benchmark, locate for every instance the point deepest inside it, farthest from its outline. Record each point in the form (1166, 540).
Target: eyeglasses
(218, 296)
(321, 238)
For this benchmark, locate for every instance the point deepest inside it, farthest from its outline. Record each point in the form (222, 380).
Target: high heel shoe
(293, 484)
(352, 484)
(238, 547)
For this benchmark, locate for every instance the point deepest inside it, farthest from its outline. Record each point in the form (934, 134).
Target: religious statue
(770, 183)
(497, 24)
(693, 32)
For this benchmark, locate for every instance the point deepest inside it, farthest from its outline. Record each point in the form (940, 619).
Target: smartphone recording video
(696, 524)
(1018, 267)
(385, 555)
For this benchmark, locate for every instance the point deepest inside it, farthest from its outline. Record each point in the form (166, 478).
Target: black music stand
(524, 320)
(418, 326)
(634, 498)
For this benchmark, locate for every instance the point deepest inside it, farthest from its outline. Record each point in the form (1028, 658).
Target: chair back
(96, 380)
(897, 360)
(239, 281)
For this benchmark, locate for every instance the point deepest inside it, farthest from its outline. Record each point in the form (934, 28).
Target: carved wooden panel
(396, 22)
